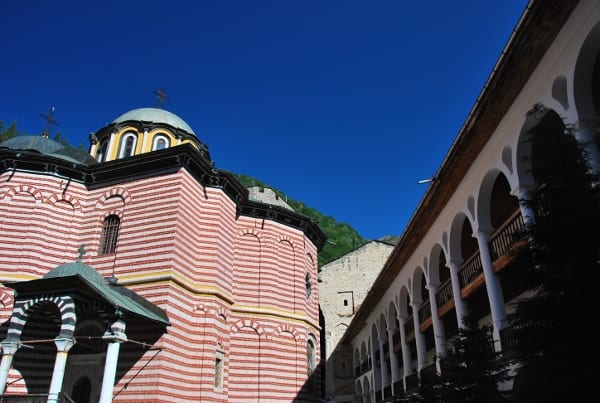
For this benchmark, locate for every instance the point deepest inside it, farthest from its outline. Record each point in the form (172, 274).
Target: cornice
(157, 163)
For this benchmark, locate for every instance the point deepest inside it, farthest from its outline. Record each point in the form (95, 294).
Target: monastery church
(140, 272)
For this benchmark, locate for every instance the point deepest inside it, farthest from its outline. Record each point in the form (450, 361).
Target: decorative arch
(118, 192)
(248, 323)
(64, 303)
(494, 192)
(30, 189)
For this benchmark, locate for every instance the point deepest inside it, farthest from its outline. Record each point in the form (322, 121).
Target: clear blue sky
(344, 105)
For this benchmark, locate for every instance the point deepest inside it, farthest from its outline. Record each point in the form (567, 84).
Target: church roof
(155, 115)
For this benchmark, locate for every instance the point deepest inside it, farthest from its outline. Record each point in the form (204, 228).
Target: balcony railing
(444, 293)
(424, 311)
(504, 238)
(470, 269)
(508, 335)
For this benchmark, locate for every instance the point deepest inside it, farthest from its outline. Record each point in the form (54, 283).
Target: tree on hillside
(8, 132)
(556, 344)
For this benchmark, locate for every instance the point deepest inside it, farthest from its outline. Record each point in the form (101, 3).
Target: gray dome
(42, 145)
(155, 115)
(47, 146)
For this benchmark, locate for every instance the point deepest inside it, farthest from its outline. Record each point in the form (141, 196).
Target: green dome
(155, 115)
(47, 146)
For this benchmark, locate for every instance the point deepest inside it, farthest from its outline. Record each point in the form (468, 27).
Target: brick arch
(285, 328)
(260, 331)
(64, 303)
(32, 190)
(250, 231)
(114, 192)
(55, 198)
(286, 238)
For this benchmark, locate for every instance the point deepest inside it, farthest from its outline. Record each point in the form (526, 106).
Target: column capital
(64, 343)
(10, 347)
(483, 233)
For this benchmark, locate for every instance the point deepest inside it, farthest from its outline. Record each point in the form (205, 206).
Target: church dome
(47, 146)
(155, 115)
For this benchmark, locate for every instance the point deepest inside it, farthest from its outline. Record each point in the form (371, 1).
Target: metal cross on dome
(49, 118)
(161, 95)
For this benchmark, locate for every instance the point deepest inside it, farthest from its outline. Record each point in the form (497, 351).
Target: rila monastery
(142, 271)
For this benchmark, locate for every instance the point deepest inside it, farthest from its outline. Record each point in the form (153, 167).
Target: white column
(459, 304)
(492, 284)
(111, 146)
(439, 333)
(393, 359)
(63, 345)
(9, 348)
(385, 380)
(144, 141)
(405, 351)
(419, 338)
(115, 336)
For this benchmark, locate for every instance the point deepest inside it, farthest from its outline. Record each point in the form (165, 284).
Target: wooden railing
(424, 311)
(503, 239)
(444, 293)
(470, 269)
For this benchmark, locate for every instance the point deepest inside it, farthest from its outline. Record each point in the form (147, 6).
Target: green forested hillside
(341, 237)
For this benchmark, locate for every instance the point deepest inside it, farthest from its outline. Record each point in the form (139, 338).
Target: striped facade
(229, 273)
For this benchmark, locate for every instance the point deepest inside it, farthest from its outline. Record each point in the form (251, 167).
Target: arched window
(311, 356)
(110, 233)
(219, 365)
(308, 285)
(128, 142)
(160, 142)
(101, 153)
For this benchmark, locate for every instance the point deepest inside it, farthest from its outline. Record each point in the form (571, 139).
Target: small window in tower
(219, 370)
(308, 284)
(160, 142)
(128, 142)
(110, 233)
(345, 302)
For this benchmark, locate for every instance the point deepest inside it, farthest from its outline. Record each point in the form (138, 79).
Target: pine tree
(471, 370)
(8, 132)
(556, 346)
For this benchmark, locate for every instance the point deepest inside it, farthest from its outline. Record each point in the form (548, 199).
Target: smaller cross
(49, 118)
(162, 96)
(81, 251)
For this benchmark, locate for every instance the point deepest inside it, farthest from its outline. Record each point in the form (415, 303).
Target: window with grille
(110, 233)
(308, 285)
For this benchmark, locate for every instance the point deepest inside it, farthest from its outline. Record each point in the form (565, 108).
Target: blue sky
(342, 104)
